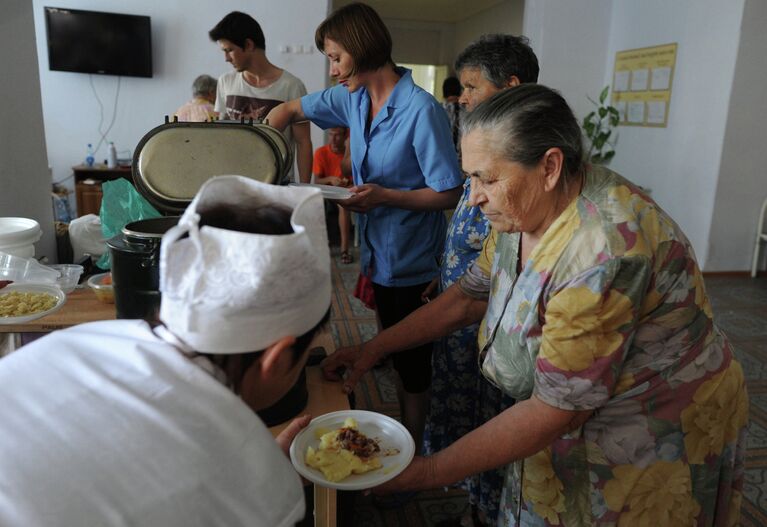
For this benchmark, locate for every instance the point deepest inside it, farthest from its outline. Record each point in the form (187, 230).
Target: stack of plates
(328, 191)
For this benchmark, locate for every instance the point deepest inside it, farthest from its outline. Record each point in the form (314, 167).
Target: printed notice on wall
(642, 85)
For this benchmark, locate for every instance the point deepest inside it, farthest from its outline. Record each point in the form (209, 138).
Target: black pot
(135, 258)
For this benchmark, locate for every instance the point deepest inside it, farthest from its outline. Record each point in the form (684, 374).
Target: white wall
(576, 42)
(570, 40)
(181, 51)
(25, 185)
(742, 184)
(505, 17)
(680, 163)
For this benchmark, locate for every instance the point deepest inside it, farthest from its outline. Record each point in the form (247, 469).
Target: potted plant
(598, 128)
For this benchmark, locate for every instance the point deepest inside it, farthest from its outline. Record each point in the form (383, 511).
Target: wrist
(385, 197)
(369, 350)
(429, 478)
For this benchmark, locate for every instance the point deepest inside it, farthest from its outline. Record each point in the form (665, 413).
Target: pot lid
(174, 160)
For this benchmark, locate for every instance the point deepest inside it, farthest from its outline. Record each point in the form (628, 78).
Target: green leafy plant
(598, 127)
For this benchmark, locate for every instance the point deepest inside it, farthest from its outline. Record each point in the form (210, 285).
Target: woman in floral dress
(631, 409)
(461, 399)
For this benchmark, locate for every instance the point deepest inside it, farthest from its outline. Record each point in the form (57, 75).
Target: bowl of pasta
(21, 303)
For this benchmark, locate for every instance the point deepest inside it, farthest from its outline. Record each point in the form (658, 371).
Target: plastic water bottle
(89, 158)
(112, 158)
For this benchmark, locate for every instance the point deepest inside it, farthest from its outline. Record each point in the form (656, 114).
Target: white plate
(328, 191)
(389, 433)
(51, 289)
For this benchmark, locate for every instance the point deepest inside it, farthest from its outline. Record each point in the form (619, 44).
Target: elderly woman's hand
(367, 196)
(354, 360)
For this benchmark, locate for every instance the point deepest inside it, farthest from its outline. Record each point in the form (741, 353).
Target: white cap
(227, 291)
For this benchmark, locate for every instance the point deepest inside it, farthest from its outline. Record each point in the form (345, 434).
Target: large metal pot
(135, 256)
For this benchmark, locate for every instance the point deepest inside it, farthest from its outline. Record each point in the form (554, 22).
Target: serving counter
(324, 396)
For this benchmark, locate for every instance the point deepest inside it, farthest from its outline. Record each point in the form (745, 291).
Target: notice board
(642, 79)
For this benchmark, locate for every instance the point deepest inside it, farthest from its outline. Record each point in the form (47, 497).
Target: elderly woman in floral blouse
(632, 409)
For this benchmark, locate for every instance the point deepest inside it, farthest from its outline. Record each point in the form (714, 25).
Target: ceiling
(449, 11)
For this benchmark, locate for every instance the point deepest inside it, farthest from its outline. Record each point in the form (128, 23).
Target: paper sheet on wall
(639, 80)
(621, 107)
(636, 112)
(656, 112)
(621, 82)
(661, 78)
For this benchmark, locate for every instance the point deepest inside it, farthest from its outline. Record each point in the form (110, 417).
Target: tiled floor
(740, 308)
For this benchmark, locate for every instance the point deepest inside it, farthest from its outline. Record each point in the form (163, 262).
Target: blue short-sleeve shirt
(407, 147)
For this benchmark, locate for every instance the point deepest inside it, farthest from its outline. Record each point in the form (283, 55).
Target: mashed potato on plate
(344, 452)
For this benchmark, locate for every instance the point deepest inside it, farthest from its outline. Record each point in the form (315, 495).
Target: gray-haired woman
(632, 410)
(200, 107)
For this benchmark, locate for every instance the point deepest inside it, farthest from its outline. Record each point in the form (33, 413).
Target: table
(324, 396)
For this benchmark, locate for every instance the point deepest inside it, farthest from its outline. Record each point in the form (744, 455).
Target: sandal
(346, 258)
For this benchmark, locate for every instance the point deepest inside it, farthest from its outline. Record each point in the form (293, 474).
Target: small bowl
(104, 292)
(70, 275)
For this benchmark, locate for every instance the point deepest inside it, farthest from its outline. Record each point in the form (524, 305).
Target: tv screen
(96, 42)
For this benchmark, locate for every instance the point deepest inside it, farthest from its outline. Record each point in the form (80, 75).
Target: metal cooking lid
(174, 160)
(282, 143)
(274, 134)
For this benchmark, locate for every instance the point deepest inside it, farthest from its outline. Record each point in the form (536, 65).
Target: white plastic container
(18, 236)
(69, 276)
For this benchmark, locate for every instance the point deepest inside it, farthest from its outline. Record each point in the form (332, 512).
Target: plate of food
(328, 191)
(21, 303)
(352, 450)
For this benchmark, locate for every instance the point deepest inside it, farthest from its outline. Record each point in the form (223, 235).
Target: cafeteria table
(324, 396)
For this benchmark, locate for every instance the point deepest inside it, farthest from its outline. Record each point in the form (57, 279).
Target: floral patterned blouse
(610, 314)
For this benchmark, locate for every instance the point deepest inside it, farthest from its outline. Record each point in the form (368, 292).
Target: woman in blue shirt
(405, 173)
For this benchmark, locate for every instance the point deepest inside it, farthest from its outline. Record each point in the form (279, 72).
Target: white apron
(105, 424)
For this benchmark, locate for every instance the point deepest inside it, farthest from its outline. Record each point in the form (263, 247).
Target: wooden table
(324, 396)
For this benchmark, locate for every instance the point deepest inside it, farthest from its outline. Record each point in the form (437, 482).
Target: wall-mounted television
(96, 42)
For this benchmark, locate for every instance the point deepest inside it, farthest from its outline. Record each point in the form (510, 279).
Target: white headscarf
(227, 291)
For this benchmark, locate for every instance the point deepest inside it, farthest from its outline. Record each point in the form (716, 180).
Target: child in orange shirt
(327, 170)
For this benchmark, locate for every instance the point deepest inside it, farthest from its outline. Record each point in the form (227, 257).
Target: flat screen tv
(96, 42)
